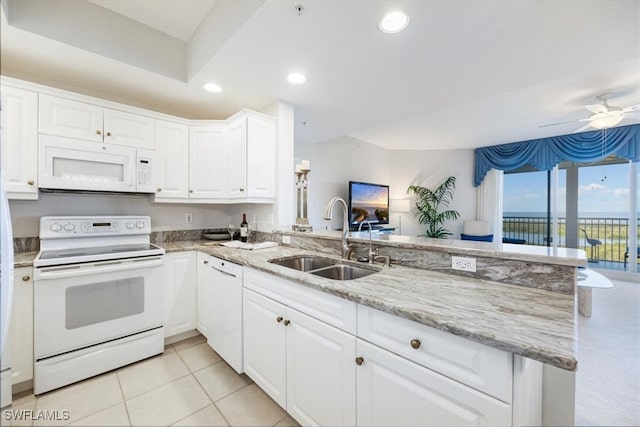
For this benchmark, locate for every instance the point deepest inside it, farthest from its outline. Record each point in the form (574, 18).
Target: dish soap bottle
(244, 228)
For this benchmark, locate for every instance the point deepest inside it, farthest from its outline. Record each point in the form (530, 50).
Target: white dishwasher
(225, 328)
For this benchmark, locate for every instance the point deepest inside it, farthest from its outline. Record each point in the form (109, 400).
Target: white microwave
(74, 164)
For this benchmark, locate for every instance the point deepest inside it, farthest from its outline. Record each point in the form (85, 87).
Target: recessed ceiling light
(394, 22)
(212, 87)
(296, 78)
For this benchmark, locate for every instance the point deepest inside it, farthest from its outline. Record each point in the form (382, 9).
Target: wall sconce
(400, 206)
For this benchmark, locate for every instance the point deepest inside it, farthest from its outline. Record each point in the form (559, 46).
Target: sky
(602, 189)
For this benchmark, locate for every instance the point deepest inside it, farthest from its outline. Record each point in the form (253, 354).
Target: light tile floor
(188, 385)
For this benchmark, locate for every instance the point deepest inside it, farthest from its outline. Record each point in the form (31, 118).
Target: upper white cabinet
(253, 156)
(208, 161)
(228, 161)
(261, 156)
(74, 119)
(171, 160)
(19, 142)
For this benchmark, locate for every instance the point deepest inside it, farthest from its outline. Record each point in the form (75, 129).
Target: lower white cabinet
(394, 391)
(305, 365)
(203, 294)
(180, 292)
(21, 326)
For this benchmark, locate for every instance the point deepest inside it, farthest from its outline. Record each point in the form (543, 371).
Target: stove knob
(140, 224)
(130, 225)
(55, 227)
(69, 227)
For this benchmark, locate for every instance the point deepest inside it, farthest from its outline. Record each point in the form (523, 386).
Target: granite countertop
(534, 323)
(538, 324)
(542, 254)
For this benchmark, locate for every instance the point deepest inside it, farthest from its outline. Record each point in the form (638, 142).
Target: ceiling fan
(604, 115)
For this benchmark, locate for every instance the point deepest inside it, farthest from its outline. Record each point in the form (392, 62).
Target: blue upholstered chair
(477, 231)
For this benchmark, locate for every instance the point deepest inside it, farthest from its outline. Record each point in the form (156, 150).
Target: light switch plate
(463, 263)
(286, 240)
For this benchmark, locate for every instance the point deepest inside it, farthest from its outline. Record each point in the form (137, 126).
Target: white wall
(429, 168)
(335, 163)
(25, 214)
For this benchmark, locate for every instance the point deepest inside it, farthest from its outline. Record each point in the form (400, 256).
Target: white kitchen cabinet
(203, 294)
(75, 119)
(19, 142)
(171, 167)
(264, 344)
(253, 156)
(261, 156)
(21, 326)
(394, 391)
(237, 158)
(304, 364)
(321, 372)
(208, 161)
(180, 292)
(225, 302)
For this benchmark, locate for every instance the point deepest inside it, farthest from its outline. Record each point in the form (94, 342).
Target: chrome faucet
(373, 255)
(328, 213)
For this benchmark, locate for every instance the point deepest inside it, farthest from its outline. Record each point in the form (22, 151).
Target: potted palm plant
(429, 202)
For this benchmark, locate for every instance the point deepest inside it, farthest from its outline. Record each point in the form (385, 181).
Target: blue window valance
(545, 153)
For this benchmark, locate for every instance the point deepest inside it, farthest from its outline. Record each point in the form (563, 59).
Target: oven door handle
(47, 273)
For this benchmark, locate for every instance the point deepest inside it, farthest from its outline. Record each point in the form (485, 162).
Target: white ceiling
(463, 74)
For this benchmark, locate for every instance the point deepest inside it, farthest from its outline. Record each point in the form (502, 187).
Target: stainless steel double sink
(324, 267)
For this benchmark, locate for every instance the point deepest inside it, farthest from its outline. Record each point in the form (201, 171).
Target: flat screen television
(368, 202)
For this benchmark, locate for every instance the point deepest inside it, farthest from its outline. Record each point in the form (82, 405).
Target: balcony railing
(604, 239)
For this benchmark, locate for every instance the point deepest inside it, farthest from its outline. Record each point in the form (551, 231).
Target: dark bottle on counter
(244, 228)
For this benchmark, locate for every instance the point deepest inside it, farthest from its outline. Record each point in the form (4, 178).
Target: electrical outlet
(188, 218)
(463, 263)
(286, 240)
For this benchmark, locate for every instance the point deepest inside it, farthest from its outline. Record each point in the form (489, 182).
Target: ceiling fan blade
(583, 128)
(556, 124)
(596, 108)
(631, 109)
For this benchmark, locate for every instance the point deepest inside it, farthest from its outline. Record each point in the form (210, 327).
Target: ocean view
(563, 215)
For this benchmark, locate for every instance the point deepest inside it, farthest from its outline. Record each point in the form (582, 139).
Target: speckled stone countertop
(543, 254)
(534, 323)
(24, 259)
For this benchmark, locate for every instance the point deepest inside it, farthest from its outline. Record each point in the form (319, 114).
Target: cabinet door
(180, 293)
(129, 129)
(261, 157)
(19, 142)
(237, 165)
(172, 160)
(21, 326)
(264, 344)
(321, 372)
(203, 294)
(394, 391)
(64, 117)
(208, 162)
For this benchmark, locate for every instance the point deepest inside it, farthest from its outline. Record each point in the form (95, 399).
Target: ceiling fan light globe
(606, 121)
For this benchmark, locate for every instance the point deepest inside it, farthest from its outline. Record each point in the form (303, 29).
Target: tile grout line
(212, 401)
(124, 400)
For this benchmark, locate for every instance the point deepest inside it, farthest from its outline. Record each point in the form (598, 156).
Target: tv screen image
(368, 202)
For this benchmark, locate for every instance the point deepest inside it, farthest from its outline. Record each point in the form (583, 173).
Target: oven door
(80, 305)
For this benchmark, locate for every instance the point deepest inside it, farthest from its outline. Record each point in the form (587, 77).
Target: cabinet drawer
(476, 365)
(328, 308)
